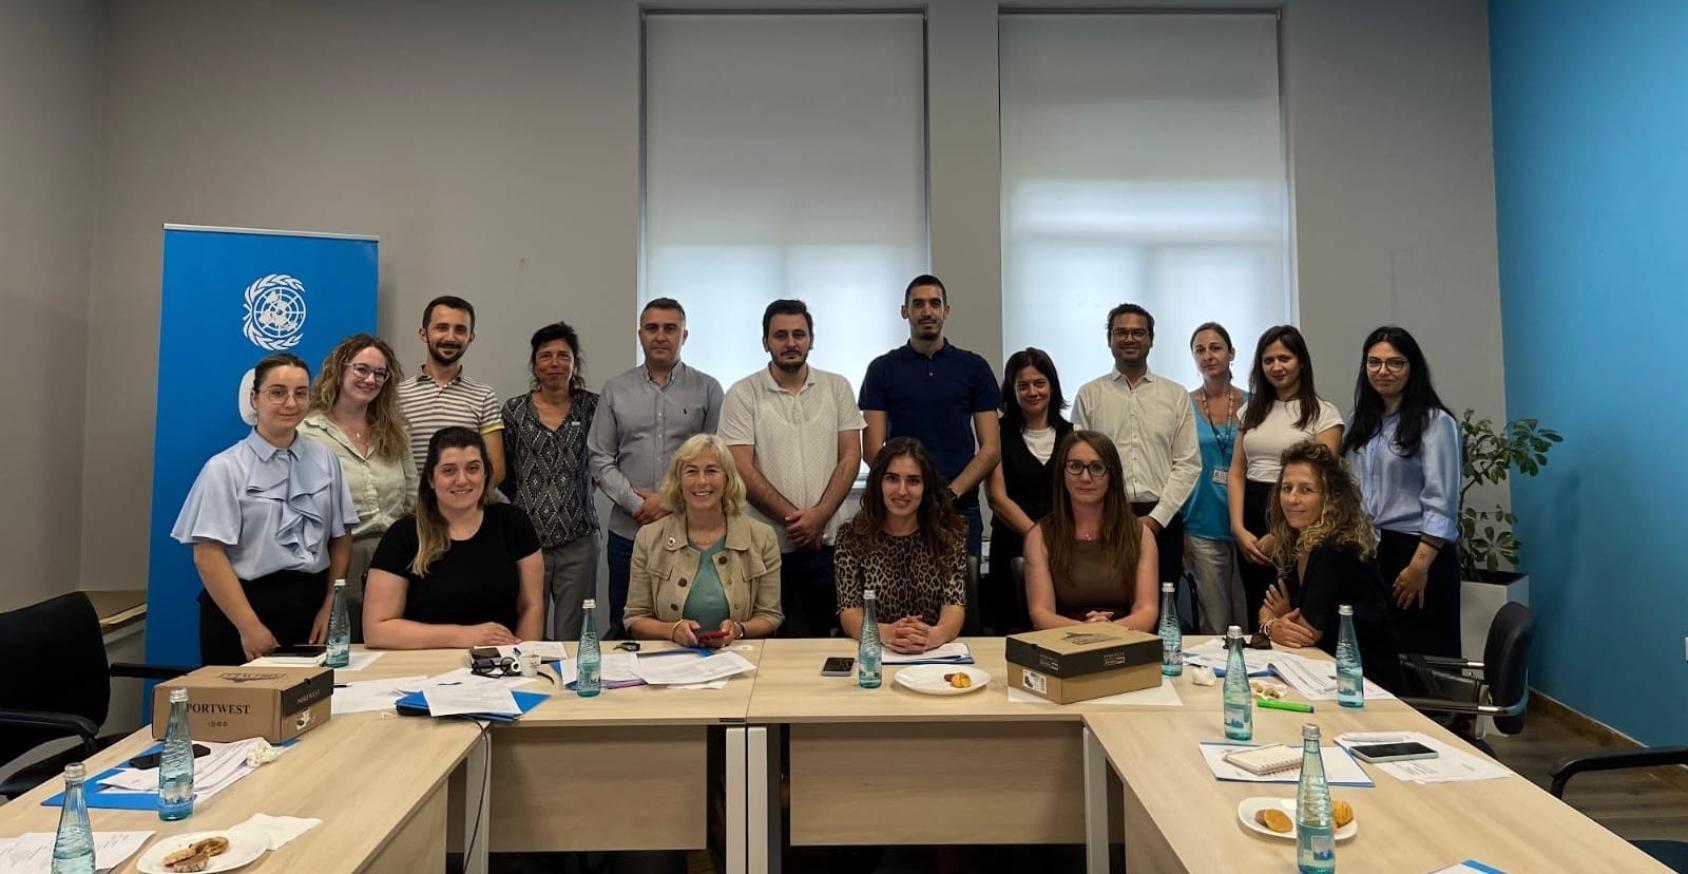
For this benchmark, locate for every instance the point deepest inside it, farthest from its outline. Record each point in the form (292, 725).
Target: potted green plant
(1486, 540)
(1488, 550)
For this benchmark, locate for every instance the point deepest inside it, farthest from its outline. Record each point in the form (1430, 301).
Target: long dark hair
(433, 533)
(1120, 536)
(1419, 401)
(1013, 420)
(1261, 392)
(941, 528)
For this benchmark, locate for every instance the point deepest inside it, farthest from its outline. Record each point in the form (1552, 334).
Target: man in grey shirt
(644, 415)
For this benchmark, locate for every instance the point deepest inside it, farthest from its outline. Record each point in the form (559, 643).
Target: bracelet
(740, 627)
(673, 628)
(1266, 627)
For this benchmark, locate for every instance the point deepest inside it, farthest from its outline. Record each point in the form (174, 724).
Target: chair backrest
(970, 622)
(55, 660)
(1506, 661)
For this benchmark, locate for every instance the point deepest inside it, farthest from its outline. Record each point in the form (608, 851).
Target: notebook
(1270, 759)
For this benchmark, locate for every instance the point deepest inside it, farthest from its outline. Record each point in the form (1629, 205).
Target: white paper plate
(1251, 806)
(929, 679)
(245, 846)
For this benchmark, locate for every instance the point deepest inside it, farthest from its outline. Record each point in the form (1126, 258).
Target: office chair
(1501, 692)
(1671, 854)
(58, 685)
(970, 625)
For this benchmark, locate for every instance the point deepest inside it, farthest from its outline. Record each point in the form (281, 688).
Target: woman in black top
(1020, 486)
(461, 571)
(1324, 548)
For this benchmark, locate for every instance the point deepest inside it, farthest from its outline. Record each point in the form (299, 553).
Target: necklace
(1223, 438)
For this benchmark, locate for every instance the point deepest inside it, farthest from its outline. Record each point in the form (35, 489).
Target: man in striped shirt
(440, 395)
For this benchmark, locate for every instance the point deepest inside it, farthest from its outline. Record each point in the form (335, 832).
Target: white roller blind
(1142, 161)
(784, 157)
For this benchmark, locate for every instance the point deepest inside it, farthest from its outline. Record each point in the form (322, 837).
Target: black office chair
(57, 685)
(970, 626)
(1502, 692)
(1671, 854)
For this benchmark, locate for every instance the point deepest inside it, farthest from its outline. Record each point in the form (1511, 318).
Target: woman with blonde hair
(461, 571)
(354, 412)
(1325, 550)
(706, 573)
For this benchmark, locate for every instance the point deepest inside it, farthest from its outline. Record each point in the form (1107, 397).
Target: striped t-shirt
(430, 406)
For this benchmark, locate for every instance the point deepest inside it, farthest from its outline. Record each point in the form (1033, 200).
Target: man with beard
(940, 394)
(643, 415)
(796, 438)
(440, 395)
(1151, 422)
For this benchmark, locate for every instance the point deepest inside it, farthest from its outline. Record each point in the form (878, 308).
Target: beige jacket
(664, 565)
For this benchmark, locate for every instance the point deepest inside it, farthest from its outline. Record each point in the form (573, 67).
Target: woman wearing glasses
(355, 413)
(266, 518)
(1090, 560)
(1404, 448)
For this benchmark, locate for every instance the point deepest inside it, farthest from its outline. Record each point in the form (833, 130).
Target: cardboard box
(1081, 662)
(235, 703)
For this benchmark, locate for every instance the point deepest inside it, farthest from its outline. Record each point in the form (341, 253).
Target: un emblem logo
(275, 312)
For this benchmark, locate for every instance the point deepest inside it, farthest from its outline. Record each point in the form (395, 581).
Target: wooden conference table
(885, 766)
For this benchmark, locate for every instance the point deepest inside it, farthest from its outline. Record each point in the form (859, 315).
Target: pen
(1295, 706)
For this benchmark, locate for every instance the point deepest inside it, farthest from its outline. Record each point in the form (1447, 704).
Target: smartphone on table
(838, 666)
(1392, 752)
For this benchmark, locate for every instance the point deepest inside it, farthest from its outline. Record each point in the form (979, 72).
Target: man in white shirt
(796, 438)
(1149, 418)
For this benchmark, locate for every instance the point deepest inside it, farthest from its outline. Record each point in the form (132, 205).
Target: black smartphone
(838, 666)
(1401, 752)
(146, 761)
(300, 649)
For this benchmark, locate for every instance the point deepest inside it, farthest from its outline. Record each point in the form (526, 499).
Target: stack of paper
(224, 766)
(953, 653)
(32, 853)
(547, 650)
(359, 661)
(370, 695)
(1315, 679)
(616, 670)
(1451, 765)
(1212, 654)
(1340, 768)
(680, 670)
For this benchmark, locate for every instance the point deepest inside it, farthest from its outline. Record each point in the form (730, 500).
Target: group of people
(458, 521)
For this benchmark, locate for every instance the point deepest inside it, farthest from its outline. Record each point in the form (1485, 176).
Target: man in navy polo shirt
(939, 394)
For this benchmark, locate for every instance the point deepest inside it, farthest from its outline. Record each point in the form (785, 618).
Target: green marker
(1294, 706)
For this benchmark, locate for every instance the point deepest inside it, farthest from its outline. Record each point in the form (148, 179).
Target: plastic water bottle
(1172, 637)
(73, 848)
(175, 767)
(868, 671)
(1239, 700)
(1350, 679)
(339, 630)
(588, 658)
(1315, 827)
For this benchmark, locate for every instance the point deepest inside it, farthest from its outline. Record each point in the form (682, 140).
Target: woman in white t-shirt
(1283, 410)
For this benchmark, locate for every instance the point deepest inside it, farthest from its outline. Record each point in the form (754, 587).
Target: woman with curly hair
(1324, 548)
(909, 545)
(355, 413)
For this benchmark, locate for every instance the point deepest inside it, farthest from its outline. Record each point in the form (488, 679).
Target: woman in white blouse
(1283, 410)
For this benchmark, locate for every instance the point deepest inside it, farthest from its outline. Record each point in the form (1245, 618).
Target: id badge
(1221, 475)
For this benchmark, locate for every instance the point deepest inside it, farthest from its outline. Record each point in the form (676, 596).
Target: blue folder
(109, 799)
(416, 704)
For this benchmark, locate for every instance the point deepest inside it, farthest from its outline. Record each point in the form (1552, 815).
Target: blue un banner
(230, 297)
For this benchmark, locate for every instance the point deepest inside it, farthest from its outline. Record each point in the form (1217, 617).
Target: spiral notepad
(1261, 761)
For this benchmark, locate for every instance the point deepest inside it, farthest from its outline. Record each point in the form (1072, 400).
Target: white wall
(47, 134)
(494, 148)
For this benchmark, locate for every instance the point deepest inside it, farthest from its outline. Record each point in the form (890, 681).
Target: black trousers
(1434, 628)
(285, 601)
(1257, 578)
(808, 593)
(1169, 543)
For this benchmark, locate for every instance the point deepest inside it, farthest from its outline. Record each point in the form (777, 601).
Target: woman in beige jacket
(706, 568)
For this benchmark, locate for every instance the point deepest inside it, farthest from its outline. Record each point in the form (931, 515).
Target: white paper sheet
(358, 661)
(368, 695)
(954, 651)
(224, 766)
(279, 829)
(1315, 679)
(613, 667)
(1451, 765)
(1212, 654)
(1164, 695)
(1340, 768)
(547, 650)
(32, 853)
(466, 677)
(470, 698)
(676, 670)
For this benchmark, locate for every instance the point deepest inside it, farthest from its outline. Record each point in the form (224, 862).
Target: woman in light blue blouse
(269, 521)
(1404, 449)
(1212, 555)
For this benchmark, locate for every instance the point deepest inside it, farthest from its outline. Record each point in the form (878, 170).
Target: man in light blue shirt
(644, 415)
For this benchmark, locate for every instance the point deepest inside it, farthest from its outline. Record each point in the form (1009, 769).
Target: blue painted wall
(1591, 178)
